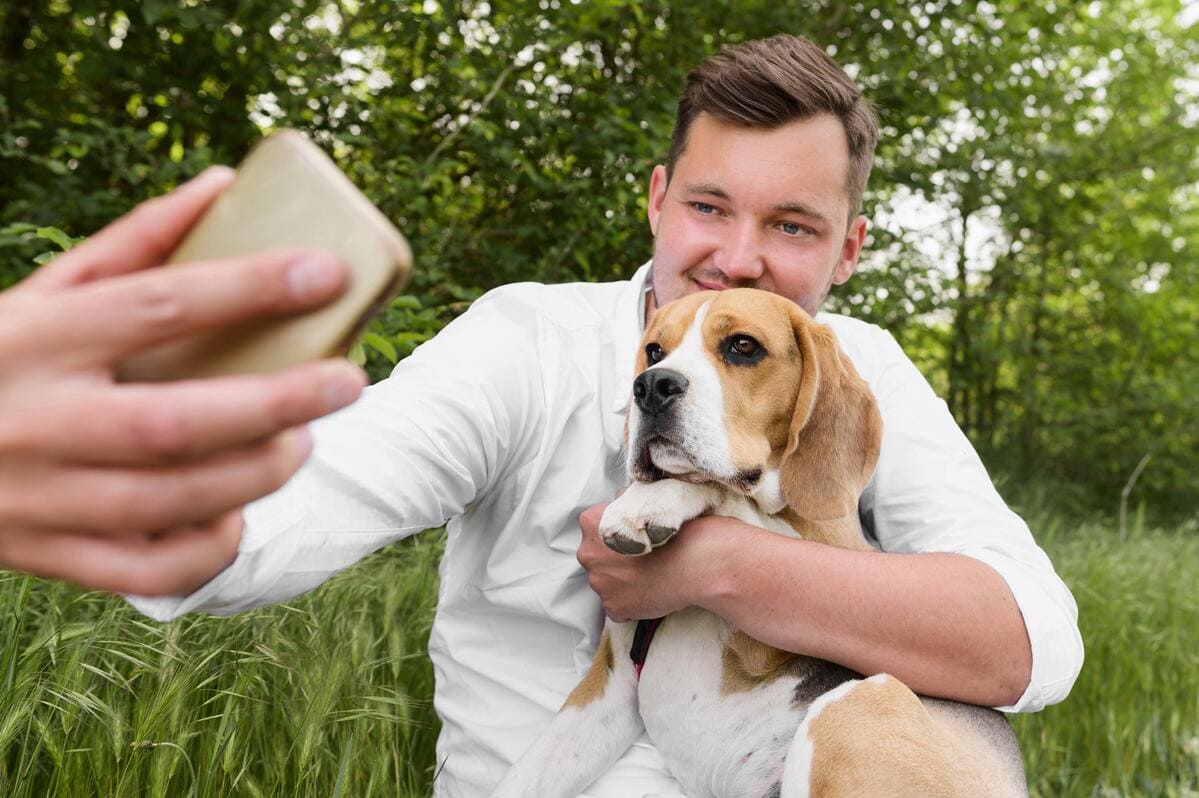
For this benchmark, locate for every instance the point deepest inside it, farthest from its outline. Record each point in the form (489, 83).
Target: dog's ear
(836, 431)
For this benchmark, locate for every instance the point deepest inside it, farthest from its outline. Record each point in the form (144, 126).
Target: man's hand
(133, 487)
(648, 586)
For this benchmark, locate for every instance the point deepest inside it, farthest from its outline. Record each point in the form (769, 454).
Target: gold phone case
(287, 193)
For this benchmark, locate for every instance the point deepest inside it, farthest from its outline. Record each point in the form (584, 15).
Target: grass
(330, 694)
(326, 696)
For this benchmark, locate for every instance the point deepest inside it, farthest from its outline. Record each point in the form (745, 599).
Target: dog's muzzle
(655, 390)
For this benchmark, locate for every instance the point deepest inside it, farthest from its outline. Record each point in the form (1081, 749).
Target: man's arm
(944, 624)
(412, 453)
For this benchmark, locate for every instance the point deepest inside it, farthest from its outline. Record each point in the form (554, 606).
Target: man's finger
(162, 304)
(130, 501)
(170, 563)
(590, 518)
(147, 424)
(142, 238)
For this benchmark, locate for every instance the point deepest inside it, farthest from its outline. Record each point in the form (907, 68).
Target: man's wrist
(726, 540)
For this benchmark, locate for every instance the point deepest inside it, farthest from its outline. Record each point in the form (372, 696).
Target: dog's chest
(717, 742)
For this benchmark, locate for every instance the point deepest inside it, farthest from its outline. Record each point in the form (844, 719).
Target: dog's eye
(743, 350)
(654, 353)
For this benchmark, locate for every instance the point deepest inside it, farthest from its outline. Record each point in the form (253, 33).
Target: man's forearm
(945, 624)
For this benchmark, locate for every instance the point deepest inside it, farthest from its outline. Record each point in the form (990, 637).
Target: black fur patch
(821, 677)
(775, 792)
(746, 479)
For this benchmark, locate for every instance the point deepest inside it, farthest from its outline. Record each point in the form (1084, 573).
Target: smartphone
(287, 193)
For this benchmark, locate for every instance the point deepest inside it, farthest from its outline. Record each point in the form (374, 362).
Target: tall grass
(326, 696)
(1131, 724)
(330, 694)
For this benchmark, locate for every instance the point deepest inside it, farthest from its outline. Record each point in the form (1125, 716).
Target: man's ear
(657, 197)
(836, 430)
(851, 249)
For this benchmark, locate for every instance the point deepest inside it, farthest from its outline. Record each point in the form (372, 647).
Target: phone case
(287, 193)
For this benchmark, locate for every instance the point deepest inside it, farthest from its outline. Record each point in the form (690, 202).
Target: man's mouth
(706, 286)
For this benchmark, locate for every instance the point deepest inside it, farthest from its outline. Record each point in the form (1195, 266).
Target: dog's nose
(654, 390)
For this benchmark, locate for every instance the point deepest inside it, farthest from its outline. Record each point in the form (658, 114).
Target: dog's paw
(640, 521)
(628, 541)
(624, 534)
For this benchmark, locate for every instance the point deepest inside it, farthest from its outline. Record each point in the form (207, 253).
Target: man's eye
(654, 353)
(704, 208)
(791, 228)
(743, 350)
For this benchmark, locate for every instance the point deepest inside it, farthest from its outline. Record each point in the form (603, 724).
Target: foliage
(1035, 193)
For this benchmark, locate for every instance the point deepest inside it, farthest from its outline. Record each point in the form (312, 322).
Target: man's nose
(656, 389)
(742, 258)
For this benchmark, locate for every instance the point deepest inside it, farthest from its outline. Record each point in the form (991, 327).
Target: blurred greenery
(1035, 198)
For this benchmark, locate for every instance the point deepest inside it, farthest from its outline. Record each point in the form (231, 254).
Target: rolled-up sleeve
(931, 493)
(413, 452)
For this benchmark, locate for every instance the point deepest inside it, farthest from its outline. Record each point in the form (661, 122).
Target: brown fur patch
(596, 679)
(836, 431)
(759, 400)
(844, 532)
(746, 663)
(879, 740)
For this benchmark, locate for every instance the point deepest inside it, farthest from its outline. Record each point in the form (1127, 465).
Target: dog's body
(745, 408)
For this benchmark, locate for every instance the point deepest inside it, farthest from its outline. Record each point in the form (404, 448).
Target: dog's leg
(648, 514)
(598, 723)
(874, 737)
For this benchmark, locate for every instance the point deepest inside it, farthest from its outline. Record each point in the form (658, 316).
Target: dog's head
(742, 388)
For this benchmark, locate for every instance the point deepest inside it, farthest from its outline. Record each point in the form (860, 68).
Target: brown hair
(770, 82)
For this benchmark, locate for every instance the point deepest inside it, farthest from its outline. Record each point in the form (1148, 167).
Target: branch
(495, 88)
(1132, 480)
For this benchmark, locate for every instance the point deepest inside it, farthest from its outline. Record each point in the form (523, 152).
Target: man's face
(755, 208)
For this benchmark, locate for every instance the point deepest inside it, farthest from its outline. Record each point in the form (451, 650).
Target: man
(138, 488)
(509, 424)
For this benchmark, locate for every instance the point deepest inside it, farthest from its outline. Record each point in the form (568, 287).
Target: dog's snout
(654, 390)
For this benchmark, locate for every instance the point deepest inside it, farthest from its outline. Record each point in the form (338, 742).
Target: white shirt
(506, 426)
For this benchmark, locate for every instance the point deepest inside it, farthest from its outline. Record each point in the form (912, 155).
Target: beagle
(744, 407)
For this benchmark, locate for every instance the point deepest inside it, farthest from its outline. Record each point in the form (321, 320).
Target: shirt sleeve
(931, 492)
(413, 452)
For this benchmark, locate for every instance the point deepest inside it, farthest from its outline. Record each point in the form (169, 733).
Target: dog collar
(641, 640)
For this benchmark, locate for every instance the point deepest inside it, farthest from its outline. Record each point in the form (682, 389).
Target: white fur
(768, 493)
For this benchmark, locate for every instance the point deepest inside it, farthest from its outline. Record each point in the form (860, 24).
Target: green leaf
(60, 238)
(380, 345)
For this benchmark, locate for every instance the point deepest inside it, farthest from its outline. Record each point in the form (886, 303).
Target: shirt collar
(629, 327)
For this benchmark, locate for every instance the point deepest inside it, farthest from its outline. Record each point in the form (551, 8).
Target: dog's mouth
(658, 458)
(644, 469)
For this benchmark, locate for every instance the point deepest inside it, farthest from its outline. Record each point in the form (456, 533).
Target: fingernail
(342, 387)
(211, 174)
(314, 276)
